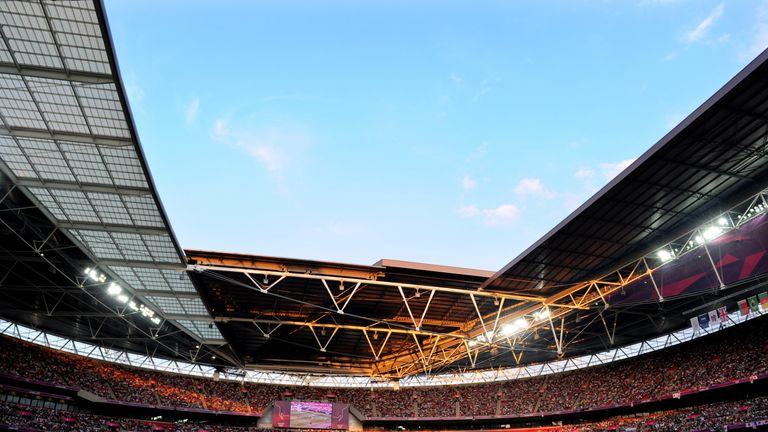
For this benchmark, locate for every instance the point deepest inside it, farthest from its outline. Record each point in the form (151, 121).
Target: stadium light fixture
(147, 312)
(114, 289)
(94, 275)
(514, 327)
(542, 314)
(665, 255)
(155, 320)
(712, 232)
(122, 298)
(521, 323)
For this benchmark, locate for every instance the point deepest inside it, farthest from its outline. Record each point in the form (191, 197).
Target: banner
(281, 414)
(703, 320)
(695, 324)
(723, 312)
(753, 303)
(743, 307)
(714, 319)
(763, 299)
(340, 416)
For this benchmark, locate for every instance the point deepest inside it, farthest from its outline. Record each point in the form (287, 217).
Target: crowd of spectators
(711, 417)
(736, 353)
(714, 416)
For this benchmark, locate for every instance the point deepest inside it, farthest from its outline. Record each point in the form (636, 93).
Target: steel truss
(150, 362)
(430, 350)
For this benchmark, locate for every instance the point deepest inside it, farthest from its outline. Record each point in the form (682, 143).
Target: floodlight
(712, 232)
(521, 323)
(664, 255)
(114, 289)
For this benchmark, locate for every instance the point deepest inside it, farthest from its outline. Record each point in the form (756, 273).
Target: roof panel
(152, 279)
(100, 243)
(17, 107)
(169, 305)
(65, 128)
(12, 155)
(204, 329)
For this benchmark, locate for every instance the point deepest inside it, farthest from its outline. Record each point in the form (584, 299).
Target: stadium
(642, 310)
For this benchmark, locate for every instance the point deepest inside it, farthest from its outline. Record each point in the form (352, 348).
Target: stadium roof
(76, 193)
(598, 274)
(69, 144)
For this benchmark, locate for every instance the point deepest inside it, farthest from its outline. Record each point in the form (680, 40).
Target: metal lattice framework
(339, 381)
(429, 348)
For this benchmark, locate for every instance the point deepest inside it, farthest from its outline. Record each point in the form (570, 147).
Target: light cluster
(705, 234)
(116, 291)
(510, 329)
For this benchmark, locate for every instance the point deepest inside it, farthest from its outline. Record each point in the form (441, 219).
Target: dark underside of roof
(42, 285)
(234, 301)
(713, 160)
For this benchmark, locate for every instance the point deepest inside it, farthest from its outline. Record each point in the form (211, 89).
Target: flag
(713, 318)
(723, 312)
(763, 299)
(743, 307)
(753, 303)
(695, 324)
(703, 320)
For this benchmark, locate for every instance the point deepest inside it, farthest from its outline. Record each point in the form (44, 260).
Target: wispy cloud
(611, 170)
(584, 173)
(485, 88)
(533, 187)
(468, 183)
(505, 214)
(701, 29)
(456, 78)
(501, 215)
(191, 112)
(468, 211)
(276, 149)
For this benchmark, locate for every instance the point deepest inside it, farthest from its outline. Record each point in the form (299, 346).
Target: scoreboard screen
(310, 415)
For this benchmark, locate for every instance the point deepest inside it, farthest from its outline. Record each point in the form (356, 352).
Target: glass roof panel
(17, 107)
(75, 205)
(131, 246)
(125, 167)
(47, 200)
(143, 210)
(161, 248)
(169, 305)
(28, 33)
(15, 158)
(193, 306)
(101, 105)
(98, 242)
(58, 104)
(46, 159)
(110, 208)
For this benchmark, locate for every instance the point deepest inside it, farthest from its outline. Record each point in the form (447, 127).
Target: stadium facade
(671, 250)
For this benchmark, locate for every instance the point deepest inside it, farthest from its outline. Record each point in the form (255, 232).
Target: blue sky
(447, 132)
